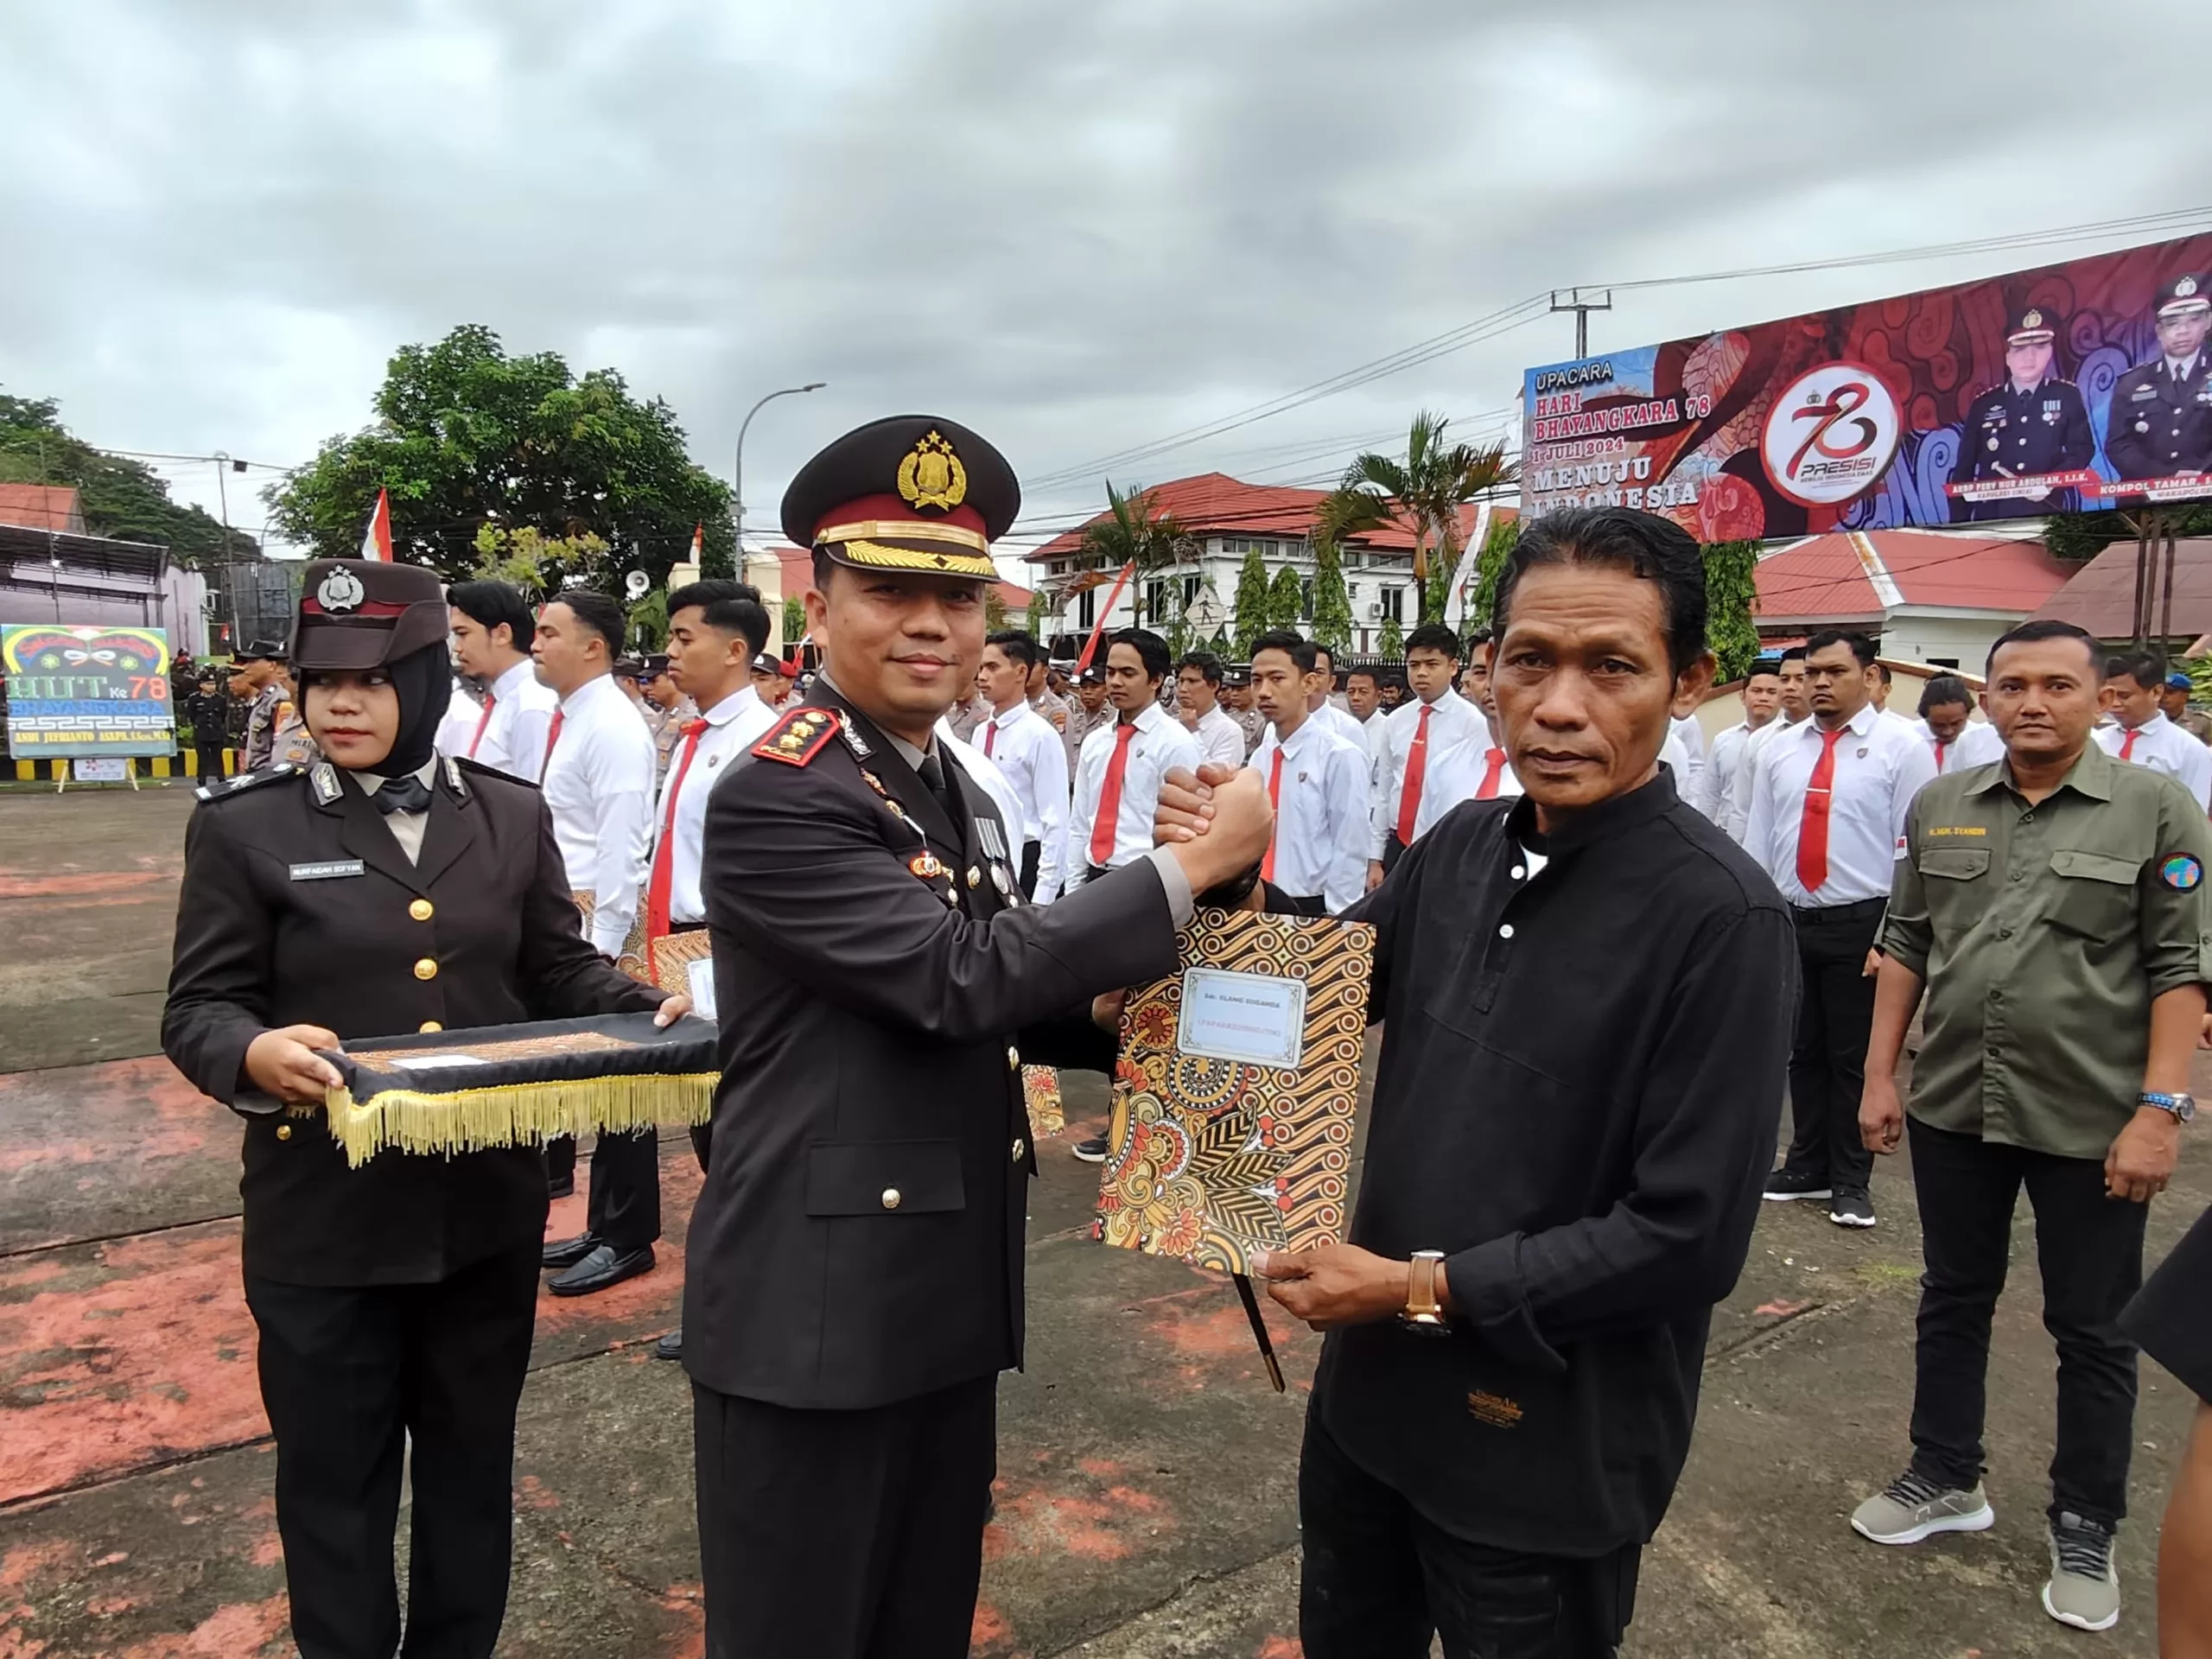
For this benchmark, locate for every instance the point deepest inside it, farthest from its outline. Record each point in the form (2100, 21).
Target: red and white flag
(698, 544)
(376, 542)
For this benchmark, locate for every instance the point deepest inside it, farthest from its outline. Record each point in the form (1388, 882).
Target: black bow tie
(408, 794)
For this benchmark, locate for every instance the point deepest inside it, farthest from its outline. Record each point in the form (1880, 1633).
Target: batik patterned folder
(1040, 1091)
(1232, 1131)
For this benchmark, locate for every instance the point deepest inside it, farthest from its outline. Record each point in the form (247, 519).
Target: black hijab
(423, 680)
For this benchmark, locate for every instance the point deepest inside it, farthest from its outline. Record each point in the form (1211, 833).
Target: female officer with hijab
(379, 891)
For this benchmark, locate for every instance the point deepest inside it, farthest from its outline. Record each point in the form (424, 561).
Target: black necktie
(408, 794)
(931, 772)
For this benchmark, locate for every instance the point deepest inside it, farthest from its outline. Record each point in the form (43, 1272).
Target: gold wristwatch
(1422, 1310)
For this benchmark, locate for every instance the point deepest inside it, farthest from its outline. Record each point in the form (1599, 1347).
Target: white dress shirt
(1339, 720)
(1979, 744)
(1717, 782)
(2164, 746)
(1221, 740)
(1880, 766)
(458, 724)
(599, 784)
(510, 736)
(1458, 773)
(1950, 757)
(733, 726)
(1320, 841)
(1160, 742)
(1452, 721)
(985, 773)
(1022, 744)
(1740, 803)
(1688, 757)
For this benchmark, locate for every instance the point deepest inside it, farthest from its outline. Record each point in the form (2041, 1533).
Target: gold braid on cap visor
(874, 554)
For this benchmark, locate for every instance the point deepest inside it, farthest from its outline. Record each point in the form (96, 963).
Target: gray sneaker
(2084, 1587)
(1913, 1507)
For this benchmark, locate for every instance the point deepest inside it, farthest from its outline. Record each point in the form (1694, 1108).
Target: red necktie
(664, 877)
(990, 731)
(1813, 828)
(552, 736)
(1416, 771)
(1274, 800)
(1942, 749)
(1109, 796)
(1493, 769)
(2127, 745)
(482, 720)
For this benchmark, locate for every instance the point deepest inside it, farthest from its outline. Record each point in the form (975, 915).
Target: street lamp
(788, 391)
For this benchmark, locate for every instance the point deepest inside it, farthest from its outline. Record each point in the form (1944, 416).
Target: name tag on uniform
(329, 871)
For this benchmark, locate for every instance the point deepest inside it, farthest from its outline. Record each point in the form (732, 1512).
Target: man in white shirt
(1687, 735)
(1317, 781)
(1796, 710)
(1717, 782)
(493, 634)
(1363, 702)
(1025, 746)
(1434, 721)
(1827, 823)
(715, 629)
(598, 784)
(1323, 700)
(1197, 702)
(1946, 710)
(2142, 734)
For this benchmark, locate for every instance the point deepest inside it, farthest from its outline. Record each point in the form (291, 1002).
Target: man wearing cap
(492, 633)
(1091, 711)
(2160, 421)
(854, 1276)
(2033, 425)
(2174, 701)
(1242, 704)
(260, 675)
(769, 682)
(379, 890)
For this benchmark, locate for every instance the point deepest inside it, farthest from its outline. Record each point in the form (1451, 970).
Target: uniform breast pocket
(1952, 878)
(2095, 895)
(876, 1177)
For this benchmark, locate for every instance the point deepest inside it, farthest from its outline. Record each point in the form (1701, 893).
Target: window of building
(1086, 608)
(1394, 604)
(1155, 602)
(1306, 597)
(1191, 585)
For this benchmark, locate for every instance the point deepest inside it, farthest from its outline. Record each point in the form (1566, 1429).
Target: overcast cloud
(1075, 228)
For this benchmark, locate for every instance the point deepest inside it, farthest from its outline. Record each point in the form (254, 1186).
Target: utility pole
(1582, 308)
(738, 471)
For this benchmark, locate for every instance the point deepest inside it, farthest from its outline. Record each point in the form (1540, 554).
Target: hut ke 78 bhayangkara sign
(86, 690)
(2084, 385)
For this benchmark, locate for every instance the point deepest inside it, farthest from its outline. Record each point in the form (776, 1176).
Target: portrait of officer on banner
(2160, 423)
(2022, 439)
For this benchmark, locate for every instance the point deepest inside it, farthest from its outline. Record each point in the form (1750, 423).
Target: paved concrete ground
(1145, 1506)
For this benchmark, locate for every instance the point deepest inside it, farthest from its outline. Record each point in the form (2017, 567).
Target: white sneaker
(1913, 1507)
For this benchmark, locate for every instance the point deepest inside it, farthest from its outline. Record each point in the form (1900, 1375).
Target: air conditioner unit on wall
(1374, 610)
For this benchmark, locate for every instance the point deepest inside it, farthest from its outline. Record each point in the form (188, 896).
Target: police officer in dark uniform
(2032, 425)
(2160, 423)
(379, 891)
(853, 1283)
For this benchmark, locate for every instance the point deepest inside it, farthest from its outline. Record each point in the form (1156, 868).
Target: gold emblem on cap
(341, 590)
(2184, 287)
(932, 475)
(2031, 319)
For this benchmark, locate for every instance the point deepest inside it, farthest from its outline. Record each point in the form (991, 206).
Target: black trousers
(1314, 905)
(1032, 851)
(1827, 1055)
(1378, 1581)
(1393, 850)
(624, 1208)
(348, 1376)
(843, 1535)
(2089, 1250)
(209, 757)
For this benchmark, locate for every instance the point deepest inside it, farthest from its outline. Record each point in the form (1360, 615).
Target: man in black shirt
(1588, 995)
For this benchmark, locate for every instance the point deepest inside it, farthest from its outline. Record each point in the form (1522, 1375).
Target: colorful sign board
(2084, 385)
(86, 690)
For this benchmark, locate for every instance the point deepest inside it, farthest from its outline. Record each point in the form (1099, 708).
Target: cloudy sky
(1078, 228)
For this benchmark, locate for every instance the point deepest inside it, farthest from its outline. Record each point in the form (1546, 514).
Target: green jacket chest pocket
(1952, 878)
(2093, 893)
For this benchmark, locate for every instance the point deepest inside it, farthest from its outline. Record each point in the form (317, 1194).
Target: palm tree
(1423, 493)
(1134, 531)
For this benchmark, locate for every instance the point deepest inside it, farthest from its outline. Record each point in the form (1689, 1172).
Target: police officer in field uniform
(2160, 422)
(268, 703)
(2033, 424)
(853, 1283)
(379, 890)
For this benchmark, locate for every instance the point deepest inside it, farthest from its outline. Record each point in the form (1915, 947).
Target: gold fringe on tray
(469, 1120)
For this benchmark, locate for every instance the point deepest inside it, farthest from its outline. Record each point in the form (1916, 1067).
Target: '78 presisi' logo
(1831, 435)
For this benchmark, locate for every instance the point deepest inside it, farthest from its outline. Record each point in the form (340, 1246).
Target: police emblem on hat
(2031, 319)
(341, 590)
(2184, 287)
(932, 475)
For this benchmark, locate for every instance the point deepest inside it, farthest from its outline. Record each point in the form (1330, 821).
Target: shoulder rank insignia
(223, 788)
(798, 737)
(453, 776)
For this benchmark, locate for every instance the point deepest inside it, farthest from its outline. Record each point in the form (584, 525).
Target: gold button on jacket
(891, 1197)
(421, 910)
(426, 968)
(430, 1025)
(284, 1131)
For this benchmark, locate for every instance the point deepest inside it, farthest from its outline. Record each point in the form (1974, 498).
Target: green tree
(1422, 493)
(1391, 642)
(1489, 565)
(1331, 604)
(1039, 609)
(1252, 603)
(1730, 601)
(794, 620)
(1134, 530)
(119, 498)
(539, 565)
(994, 609)
(2079, 535)
(1286, 599)
(649, 621)
(465, 437)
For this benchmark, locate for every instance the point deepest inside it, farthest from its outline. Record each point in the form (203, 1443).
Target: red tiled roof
(1835, 577)
(1214, 503)
(2101, 596)
(42, 506)
(798, 579)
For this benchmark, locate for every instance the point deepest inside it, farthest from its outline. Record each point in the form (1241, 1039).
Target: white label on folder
(699, 979)
(435, 1062)
(1256, 1018)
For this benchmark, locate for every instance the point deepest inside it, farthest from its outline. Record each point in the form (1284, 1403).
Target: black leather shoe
(670, 1346)
(563, 1188)
(567, 1252)
(602, 1269)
